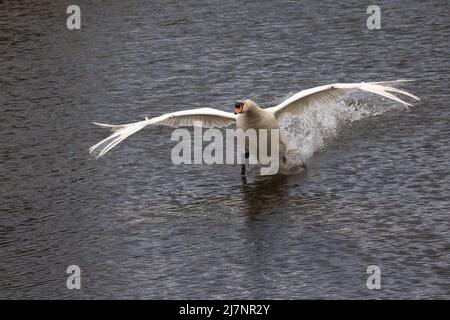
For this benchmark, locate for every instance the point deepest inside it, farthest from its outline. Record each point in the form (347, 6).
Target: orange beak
(238, 107)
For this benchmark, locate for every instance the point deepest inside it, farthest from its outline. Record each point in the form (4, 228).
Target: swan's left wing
(206, 117)
(302, 100)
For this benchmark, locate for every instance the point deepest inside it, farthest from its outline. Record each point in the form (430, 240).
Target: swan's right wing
(305, 99)
(205, 117)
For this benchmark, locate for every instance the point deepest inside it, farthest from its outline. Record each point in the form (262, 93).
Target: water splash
(319, 126)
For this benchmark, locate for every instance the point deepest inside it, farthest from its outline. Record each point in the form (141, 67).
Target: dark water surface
(140, 227)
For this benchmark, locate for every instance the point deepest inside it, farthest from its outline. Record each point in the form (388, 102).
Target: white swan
(248, 114)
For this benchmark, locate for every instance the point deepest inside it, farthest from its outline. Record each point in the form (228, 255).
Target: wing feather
(302, 100)
(206, 117)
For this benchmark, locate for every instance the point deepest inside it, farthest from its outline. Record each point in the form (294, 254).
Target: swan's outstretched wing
(208, 117)
(302, 100)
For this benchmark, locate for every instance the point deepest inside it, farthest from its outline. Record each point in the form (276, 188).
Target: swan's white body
(254, 117)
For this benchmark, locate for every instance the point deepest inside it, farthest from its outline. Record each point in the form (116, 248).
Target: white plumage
(293, 106)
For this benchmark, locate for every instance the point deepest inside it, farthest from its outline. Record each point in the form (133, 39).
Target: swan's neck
(254, 112)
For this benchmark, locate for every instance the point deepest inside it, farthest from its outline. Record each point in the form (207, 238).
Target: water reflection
(265, 193)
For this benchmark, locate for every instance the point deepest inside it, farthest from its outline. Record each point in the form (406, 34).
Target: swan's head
(244, 106)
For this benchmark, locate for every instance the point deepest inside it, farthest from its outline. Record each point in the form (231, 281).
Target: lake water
(375, 192)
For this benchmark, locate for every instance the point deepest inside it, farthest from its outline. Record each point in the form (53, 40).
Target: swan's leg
(243, 169)
(283, 149)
